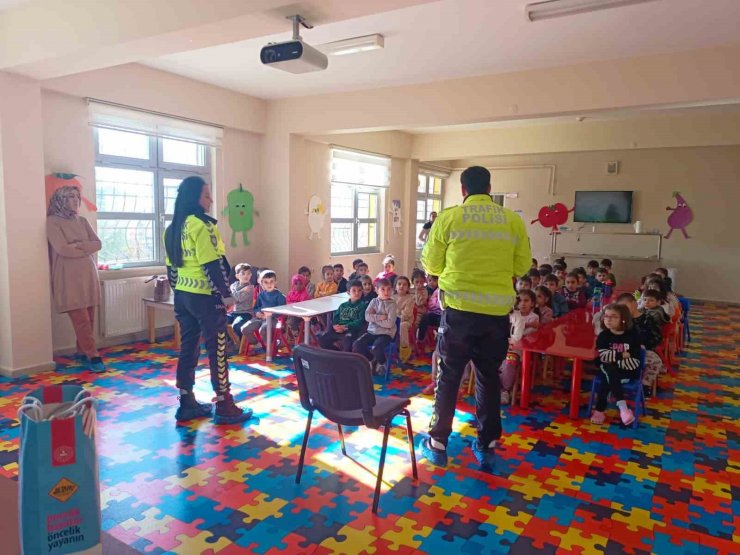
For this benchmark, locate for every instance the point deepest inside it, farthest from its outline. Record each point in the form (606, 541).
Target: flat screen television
(608, 207)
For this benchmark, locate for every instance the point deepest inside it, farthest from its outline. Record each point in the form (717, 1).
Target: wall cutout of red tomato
(553, 215)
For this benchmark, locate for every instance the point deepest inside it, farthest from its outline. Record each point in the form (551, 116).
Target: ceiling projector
(294, 56)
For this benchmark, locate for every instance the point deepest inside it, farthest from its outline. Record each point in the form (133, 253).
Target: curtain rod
(152, 112)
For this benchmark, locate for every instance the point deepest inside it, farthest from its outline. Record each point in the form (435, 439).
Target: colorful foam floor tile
(559, 485)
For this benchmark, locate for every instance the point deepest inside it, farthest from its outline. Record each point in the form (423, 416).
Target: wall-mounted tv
(608, 207)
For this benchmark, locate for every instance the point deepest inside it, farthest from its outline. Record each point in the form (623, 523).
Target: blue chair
(392, 352)
(633, 386)
(685, 307)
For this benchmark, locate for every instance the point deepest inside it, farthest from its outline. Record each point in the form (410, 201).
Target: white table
(305, 310)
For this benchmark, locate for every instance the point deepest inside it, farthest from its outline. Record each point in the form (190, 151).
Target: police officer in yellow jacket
(198, 272)
(475, 249)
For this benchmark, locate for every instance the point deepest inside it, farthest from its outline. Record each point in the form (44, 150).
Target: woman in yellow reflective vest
(198, 273)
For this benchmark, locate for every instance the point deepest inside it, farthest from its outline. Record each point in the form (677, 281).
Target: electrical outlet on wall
(612, 168)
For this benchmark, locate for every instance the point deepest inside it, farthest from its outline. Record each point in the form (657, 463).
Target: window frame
(426, 196)
(160, 170)
(355, 221)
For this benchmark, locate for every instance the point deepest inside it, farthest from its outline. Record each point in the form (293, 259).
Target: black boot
(190, 408)
(227, 412)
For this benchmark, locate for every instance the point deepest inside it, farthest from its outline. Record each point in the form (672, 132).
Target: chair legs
(410, 434)
(341, 437)
(381, 466)
(302, 458)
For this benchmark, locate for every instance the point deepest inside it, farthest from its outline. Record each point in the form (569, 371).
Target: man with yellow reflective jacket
(475, 249)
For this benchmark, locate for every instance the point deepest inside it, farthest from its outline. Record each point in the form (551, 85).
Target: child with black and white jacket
(619, 353)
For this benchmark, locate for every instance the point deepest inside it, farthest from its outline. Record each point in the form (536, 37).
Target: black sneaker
(190, 409)
(227, 412)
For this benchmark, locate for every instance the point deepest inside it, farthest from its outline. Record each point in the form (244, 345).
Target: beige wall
(68, 147)
(309, 175)
(707, 177)
(25, 332)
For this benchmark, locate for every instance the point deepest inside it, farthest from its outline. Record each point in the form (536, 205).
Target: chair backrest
(332, 382)
(643, 356)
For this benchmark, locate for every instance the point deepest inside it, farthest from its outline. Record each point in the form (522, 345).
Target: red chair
(279, 340)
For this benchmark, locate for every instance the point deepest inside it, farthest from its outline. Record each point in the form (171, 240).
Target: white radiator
(123, 311)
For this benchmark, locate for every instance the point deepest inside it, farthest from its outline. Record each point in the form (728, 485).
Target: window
(428, 200)
(358, 183)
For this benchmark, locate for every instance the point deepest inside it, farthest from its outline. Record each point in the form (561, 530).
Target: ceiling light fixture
(354, 45)
(559, 8)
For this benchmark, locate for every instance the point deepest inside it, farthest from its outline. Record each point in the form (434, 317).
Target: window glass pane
(183, 152)
(437, 205)
(118, 190)
(342, 237)
(367, 206)
(126, 241)
(367, 235)
(430, 206)
(437, 187)
(422, 188)
(170, 193)
(421, 214)
(121, 143)
(342, 201)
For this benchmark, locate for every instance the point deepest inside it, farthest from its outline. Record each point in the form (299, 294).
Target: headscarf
(58, 202)
(297, 296)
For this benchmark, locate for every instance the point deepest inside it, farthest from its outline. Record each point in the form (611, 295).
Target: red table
(570, 336)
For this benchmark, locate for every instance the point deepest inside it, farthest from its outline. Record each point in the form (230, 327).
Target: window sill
(125, 273)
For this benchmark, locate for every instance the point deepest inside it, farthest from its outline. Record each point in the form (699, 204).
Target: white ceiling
(458, 38)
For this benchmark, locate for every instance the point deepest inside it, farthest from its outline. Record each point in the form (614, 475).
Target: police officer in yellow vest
(198, 273)
(475, 249)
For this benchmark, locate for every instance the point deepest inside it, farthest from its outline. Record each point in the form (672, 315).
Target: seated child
(607, 265)
(368, 290)
(328, 286)
(669, 301)
(653, 302)
(602, 287)
(582, 279)
(534, 276)
(433, 314)
(619, 353)
(297, 294)
(544, 304)
(523, 283)
(389, 272)
(243, 293)
(591, 268)
(381, 317)
(306, 273)
(405, 306)
(269, 297)
(339, 278)
(421, 296)
(545, 270)
(348, 323)
(561, 261)
(362, 270)
(560, 271)
(354, 275)
(574, 295)
(432, 283)
(524, 320)
(534, 264)
(559, 304)
(648, 327)
(663, 272)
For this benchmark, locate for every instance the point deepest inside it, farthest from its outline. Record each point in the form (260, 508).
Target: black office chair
(340, 386)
